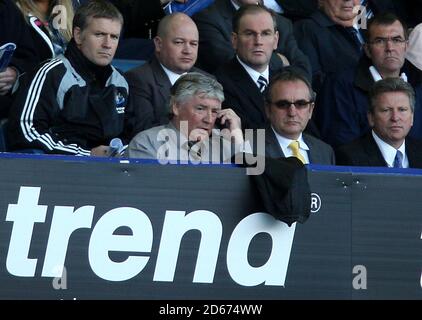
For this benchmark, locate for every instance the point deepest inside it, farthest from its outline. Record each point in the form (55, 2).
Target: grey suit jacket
(215, 29)
(166, 144)
(319, 152)
(149, 96)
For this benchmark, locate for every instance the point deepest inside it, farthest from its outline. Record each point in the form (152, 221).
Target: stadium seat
(126, 64)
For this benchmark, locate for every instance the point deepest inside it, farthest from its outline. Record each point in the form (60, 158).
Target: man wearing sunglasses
(289, 103)
(343, 103)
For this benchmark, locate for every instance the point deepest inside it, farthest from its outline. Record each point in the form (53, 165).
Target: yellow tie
(294, 146)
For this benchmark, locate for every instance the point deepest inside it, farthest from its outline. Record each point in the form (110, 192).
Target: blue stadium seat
(190, 7)
(126, 64)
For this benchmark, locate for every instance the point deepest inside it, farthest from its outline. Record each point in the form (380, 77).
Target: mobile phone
(6, 53)
(219, 125)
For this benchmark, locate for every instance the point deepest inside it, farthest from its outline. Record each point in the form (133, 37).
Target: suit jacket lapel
(161, 79)
(272, 147)
(374, 154)
(313, 157)
(246, 85)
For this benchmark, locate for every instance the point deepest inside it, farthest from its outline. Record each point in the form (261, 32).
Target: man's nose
(106, 42)
(395, 115)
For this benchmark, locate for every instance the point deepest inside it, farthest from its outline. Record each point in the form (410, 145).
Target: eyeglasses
(266, 34)
(382, 42)
(285, 104)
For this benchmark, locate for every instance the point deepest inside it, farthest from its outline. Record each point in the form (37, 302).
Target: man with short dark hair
(289, 103)
(215, 27)
(75, 104)
(343, 103)
(245, 77)
(390, 115)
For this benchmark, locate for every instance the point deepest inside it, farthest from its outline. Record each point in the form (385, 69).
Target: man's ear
(234, 40)
(367, 51)
(175, 109)
(77, 35)
(370, 119)
(158, 43)
(311, 110)
(276, 35)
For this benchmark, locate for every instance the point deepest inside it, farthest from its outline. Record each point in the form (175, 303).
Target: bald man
(176, 51)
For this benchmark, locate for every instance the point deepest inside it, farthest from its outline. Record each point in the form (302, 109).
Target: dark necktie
(263, 83)
(398, 159)
(196, 152)
(354, 35)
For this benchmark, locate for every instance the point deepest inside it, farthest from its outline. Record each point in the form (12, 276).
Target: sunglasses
(285, 104)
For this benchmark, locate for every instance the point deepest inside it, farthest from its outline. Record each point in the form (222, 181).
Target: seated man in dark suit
(329, 39)
(191, 134)
(341, 111)
(176, 49)
(245, 77)
(215, 29)
(390, 116)
(289, 102)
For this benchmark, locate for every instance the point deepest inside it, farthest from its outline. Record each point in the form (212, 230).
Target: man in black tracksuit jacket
(75, 104)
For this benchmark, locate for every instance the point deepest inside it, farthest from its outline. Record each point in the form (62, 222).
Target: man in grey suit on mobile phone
(191, 135)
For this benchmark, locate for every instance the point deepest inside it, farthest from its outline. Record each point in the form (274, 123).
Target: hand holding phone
(6, 53)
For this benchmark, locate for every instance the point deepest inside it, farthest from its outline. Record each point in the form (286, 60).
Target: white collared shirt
(173, 76)
(285, 142)
(389, 153)
(377, 76)
(255, 74)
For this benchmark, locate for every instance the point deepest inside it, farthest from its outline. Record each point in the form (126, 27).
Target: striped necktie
(262, 83)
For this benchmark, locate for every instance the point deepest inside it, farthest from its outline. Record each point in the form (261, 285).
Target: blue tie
(398, 160)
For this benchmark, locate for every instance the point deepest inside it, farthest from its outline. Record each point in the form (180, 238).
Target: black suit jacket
(242, 94)
(319, 152)
(364, 152)
(215, 29)
(329, 47)
(297, 9)
(149, 96)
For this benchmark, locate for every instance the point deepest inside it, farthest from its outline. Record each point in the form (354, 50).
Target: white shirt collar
(173, 76)
(284, 145)
(377, 76)
(255, 74)
(388, 152)
(235, 5)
